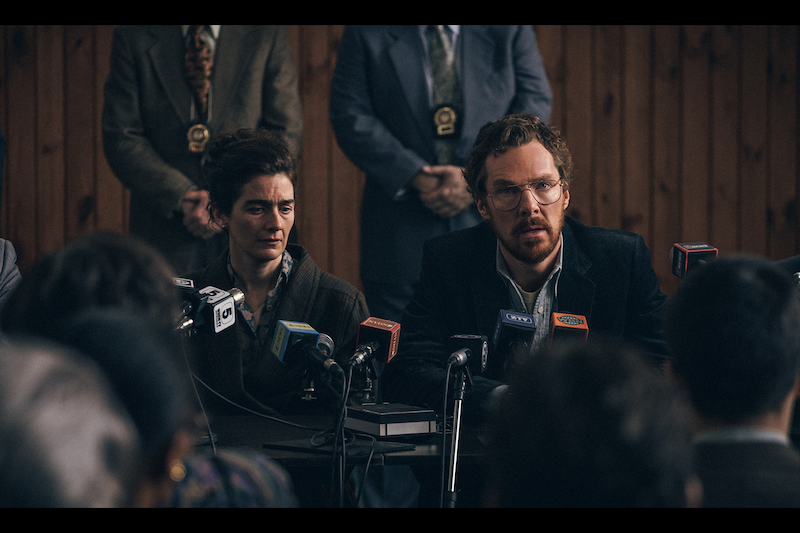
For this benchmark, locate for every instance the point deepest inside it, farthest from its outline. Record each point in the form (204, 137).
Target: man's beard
(533, 254)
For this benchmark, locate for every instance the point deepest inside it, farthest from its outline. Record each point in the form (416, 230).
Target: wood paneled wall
(679, 133)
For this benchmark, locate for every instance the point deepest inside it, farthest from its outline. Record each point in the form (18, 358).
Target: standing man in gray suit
(406, 105)
(155, 124)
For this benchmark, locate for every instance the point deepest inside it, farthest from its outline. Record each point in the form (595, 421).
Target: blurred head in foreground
(112, 298)
(591, 425)
(733, 329)
(65, 440)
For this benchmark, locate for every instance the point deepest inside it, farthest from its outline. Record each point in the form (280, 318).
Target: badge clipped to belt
(197, 136)
(446, 122)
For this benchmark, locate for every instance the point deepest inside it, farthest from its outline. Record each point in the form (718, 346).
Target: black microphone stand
(462, 377)
(375, 370)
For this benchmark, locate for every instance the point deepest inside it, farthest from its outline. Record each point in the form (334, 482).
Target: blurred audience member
(97, 270)
(152, 384)
(65, 441)
(112, 297)
(590, 425)
(733, 328)
(233, 479)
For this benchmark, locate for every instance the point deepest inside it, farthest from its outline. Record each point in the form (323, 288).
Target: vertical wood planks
(637, 120)
(679, 133)
(783, 137)
(50, 177)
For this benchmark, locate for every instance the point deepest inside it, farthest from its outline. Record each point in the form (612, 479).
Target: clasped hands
(196, 215)
(442, 189)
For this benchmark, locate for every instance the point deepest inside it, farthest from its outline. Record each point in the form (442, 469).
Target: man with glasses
(527, 257)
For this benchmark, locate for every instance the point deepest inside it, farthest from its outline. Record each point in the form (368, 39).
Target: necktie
(198, 62)
(446, 91)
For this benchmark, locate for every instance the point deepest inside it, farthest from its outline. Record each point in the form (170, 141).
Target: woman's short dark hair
(234, 159)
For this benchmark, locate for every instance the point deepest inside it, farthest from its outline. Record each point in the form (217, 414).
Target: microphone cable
(251, 411)
(340, 440)
(199, 400)
(339, 433)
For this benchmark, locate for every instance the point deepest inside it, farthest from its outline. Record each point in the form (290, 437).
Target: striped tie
(199, 63)
(446, 87)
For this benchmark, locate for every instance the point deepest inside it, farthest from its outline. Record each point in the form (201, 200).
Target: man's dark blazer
(146, 117)
(748, 474)
(381, 116)
(607, 277)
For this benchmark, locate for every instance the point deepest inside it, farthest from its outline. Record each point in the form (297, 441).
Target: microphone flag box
(478, 345)
(687, 254)
(183, 283)
(391, 420)
(224, 306)
(291, 332)
(566, 326)
(511, 326)
(385, 332)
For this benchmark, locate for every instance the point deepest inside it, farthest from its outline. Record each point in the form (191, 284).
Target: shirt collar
(214, 30)
(454, 29)
(283, 277)
(502, 269)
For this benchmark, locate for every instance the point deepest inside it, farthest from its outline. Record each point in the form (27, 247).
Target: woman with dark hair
(251, 179)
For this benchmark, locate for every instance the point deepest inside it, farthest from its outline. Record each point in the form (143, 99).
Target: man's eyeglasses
(544, 192)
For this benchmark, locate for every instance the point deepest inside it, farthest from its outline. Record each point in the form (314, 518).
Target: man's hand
(196, 216)
(442, 189)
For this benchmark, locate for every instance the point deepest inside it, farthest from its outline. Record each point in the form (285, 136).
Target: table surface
(299, 441)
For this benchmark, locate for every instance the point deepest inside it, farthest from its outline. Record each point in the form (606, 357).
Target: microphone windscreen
(325, 344)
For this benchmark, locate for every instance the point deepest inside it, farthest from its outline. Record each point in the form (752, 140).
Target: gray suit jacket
(10, 276)
(381, 116)
(146, 116)
(748, 474)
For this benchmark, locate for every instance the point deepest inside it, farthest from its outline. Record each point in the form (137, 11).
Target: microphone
(513, 328)
(567, 326)
(377, 340)
(685, 256)
(796, 281)
(295, 341)
(466, 348)
(209, 307)
(322, 353)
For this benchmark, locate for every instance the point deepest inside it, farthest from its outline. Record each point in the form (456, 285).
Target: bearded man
(526, 257)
